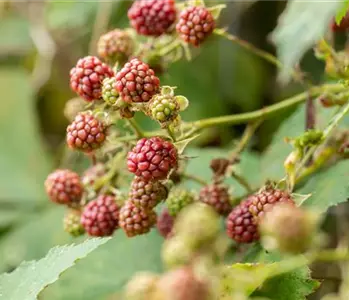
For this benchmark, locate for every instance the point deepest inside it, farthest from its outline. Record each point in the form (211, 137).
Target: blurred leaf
(199, 165)
(30, 278)
(15, 37)
(102, 273)
(328, 187)
(342, 12)
(298, 30)
(23, 160)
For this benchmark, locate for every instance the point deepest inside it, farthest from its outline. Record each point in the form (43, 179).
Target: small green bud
(71, 223)
(177, 200)
(141, 286)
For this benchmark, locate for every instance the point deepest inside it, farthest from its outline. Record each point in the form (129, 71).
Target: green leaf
(296, 285)
(298, 30)
(328, 187)
(342, 12)
(99, 275)
(30, 278)
(23, 160)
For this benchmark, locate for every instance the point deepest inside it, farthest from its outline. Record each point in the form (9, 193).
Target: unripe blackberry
(136, 220)
(217, 196)
(177, 252)
(288, 228)
(73, 107)
(240, 224)
(86, 133)
(64, 187)
(109, 92)
(198, 224)
(100, 217)
(115, 46)
(164, 108)
(266, 199)
(152, 159)
(195, 24)
(152, 17)
(181, 284)
(92, 174)
(141, 286)
(164, 223)
(136, 82)
(146, 194)
(87, 76)
(177, 200)
(71, 223)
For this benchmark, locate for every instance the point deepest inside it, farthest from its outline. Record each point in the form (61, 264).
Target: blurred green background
(39, 44)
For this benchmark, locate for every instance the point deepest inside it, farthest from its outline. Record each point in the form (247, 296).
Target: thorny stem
(137, 130)
(264, 113)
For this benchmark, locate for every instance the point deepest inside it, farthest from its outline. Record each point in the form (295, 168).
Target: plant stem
(137, 130)
(248, 133)
(194, 178)
(243, 182)
(171, 134)
(263, 113)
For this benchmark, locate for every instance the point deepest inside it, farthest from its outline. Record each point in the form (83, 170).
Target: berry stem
(136, 128)
(171, 134)
(264, 113)
(194, 178)
(243, 182)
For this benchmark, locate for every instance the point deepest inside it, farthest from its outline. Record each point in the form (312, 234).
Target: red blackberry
(152, 17)
(135, 220)
(136, 82)
(87, 76)
(266, 199)
(240, 225)
(181, 284)
(152, 159)
(146, 194)
(164, 223)
(100, 217)
(115, 46)
(195, 24)
(86, 133)
(64, 187)
(217, 196)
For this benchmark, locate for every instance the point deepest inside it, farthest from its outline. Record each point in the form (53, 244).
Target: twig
(243, 182)
(194, 178)
(137, 130)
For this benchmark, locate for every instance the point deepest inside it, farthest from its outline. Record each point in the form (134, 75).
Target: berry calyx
(136, 220)
(86, 133)
(146, 194)
(136, 82)
(152, 17)
(64, 187)
(152, 159)
(240, 224)
(266, 199)
(71, 223)
(87, 76)
(100, 217)
(165, 223)
(177, 200)
(115, 46)
(195, 24)
(217, 196)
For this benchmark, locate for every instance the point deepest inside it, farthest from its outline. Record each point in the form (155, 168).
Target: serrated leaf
(298, 30)
(184, 143)
(216, 10)
(30, 278)
(329, 187)
(342, 12)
